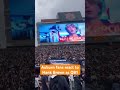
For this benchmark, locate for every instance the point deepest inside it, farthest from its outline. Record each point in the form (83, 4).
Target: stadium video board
(61, 32)
(21, 28)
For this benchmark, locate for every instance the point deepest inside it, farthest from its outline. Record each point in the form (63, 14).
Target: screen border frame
(57, 43)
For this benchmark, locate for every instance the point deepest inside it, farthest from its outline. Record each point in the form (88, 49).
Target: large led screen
(61, 32)
(22, 27)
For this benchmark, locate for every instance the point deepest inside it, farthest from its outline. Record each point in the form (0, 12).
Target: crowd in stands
(73, 53)
(16, 65)
(103, 67)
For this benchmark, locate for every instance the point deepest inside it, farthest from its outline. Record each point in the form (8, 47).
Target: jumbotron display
(22, 27)
(61, 32)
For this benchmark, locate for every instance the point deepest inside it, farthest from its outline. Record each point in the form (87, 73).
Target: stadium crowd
(73, 53)
(103, 67)
(16, 65)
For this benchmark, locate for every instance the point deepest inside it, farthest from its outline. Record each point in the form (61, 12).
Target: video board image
(22, 27)
(61, 32)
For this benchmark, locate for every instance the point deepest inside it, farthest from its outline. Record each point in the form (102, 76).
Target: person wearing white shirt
(36, 83)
